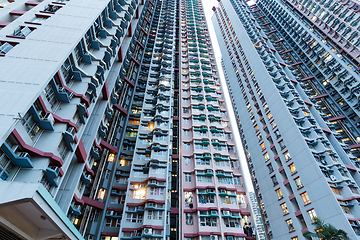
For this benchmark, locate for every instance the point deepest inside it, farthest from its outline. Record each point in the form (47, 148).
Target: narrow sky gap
(207, 5)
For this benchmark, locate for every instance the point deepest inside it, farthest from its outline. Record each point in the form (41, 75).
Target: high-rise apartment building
(91, 145)
(213, 199)
(293, 72)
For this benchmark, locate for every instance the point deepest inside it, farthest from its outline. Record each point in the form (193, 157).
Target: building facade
(213, 201)
(91, 146)
(293, 73)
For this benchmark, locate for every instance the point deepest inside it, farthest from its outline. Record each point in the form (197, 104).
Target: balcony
(69, 137)
(51, 174)
(23, 160)
(46, 122)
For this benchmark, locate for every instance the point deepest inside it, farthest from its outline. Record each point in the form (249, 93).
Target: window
(287, 156)
(207, 218)
(188, 198)
(230, 149)
(234, 164)
(186, 133)
(279, 193)
(50, 96)
(237, 181)
(187, 160)
(277, 133)
(274, 180)
(186, 146)
(227, 135)
(234, 221)
(30, 125)
(101, 194)
(112, 222)
(138, 194)
(345, 209)
(187, 177)
(262, 145)
(273, 124)
(292, 168)
(155, 215)
(284, 208)
(186, 121)
(225, 180)
(290, 225)
(133, 217)
(312, 214)
(185, 110)
(354, 190)
(282, 144)
(189, 219)
(305, 198)
(206, 196)
(269, 115)
(270, 167)
(298, 182)
(259, 136)
(185, 100)
(7, 167)
(266, 156)
(204, 179)
(201, 146)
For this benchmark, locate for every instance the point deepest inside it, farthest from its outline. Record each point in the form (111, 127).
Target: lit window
(101, 194)
(290, 225)
(262, 145)
(292, 168)
(279, 193)
(305, 198)
(269, 115)
(266, 156)
(284, 208)
(111, 157)
(312, 214)
(298, 182)
(273, 124)
(287, 156)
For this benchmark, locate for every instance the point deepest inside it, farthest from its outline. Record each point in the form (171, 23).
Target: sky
(207, 5)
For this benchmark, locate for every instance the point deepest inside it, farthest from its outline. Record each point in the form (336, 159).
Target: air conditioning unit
(213, 212)
(214, 237)
(332, 177)
(147, 230)
(50, 117)
(150, 204)
(209, 171)
(208, 190)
